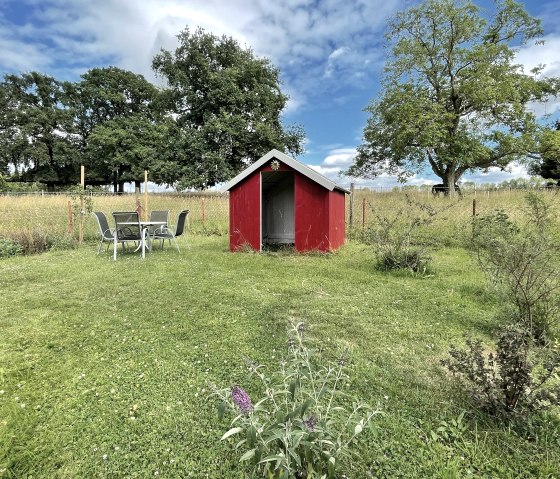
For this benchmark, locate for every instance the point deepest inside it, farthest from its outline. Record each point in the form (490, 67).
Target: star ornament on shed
(275, 165)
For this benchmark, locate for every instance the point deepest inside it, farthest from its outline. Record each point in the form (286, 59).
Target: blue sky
(330, 53)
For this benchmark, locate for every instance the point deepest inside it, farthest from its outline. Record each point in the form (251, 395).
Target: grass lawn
(105, 366)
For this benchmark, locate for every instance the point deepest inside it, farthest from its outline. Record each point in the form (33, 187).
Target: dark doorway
(277, 201)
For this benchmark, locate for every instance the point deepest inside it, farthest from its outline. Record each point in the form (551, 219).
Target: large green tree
(452, 96)
(35, 130)
(226, 103)
(549, 165)
(115, 124)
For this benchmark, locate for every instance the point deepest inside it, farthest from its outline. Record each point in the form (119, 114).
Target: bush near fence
(209, 212)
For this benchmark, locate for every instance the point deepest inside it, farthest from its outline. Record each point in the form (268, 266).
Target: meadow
(209, 212)
(106, 367)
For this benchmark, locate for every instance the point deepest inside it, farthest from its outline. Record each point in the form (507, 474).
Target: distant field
(209, 213)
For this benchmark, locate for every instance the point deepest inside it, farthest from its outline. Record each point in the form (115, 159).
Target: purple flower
(241, 399)
(310, 423)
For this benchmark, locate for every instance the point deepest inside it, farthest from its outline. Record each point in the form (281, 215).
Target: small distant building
(279, 200)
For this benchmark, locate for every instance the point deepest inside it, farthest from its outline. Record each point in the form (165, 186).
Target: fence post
(146, 194)
(351, 219)
(203, 212)
(363, 214)
(474, 207)
(70, 220)
(82, 185)
(139, 207)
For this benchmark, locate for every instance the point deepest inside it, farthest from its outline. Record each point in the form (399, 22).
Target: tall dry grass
(53, 213)
(454, 215)
(209, 213)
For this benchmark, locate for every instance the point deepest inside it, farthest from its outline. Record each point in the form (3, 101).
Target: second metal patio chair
(127, 227)
(166, 233)
(104, 230)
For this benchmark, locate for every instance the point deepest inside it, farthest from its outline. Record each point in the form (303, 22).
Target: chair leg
(176, 243)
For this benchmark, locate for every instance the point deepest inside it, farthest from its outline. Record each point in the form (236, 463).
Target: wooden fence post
(70, 220)
(351, 218)
(83, 185)
(203, 212)
(474, 207)
(363, 214)
(139, 207)
(146, 195)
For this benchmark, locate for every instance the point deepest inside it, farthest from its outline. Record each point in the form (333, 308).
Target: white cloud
(340, 157)
(536, 55)
(61, 37)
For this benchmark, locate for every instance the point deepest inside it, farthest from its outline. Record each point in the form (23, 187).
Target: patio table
(144, 225)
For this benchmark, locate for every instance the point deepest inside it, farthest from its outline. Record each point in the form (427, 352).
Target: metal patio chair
(166, 233)
(105, 231)
(158, 215)
(127, 228)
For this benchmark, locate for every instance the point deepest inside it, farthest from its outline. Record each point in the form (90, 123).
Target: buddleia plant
(304, 424)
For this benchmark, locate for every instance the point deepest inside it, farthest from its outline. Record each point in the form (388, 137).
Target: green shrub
(9, 247)
(32, 241)
(61, 243)
(508, 383)
(400, 240)
(523, 262)
(414, 260)
(301, 428)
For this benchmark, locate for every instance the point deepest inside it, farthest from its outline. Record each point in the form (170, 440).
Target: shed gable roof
(295, 164)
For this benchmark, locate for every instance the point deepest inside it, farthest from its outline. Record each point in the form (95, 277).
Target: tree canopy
(115, 122)
(220, 111)
(549, 165)
(35, 129)
(226, 103)
(452, 96)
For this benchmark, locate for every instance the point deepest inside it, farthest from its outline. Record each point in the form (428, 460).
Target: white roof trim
(295, 164)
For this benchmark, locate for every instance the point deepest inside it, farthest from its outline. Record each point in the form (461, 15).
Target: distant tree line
(219, 111)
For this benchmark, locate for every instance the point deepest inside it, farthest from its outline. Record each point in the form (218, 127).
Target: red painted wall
(311, 215)
(245, 214)
(337, 219)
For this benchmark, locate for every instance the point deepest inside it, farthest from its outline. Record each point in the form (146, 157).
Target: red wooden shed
(279, 200)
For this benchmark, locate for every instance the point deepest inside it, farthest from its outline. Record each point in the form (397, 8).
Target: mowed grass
(105, 366)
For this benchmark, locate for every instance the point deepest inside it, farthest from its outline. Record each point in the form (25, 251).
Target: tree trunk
(449, 182)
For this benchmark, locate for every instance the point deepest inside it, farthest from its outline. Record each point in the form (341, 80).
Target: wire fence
(62, 213)
(59, 213)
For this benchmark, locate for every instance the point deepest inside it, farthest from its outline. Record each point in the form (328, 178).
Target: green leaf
(240, 443)
(293, 387)
(231, 432)
(306, 406)
(251, 436)
(221, 410)
(331, 464)
(248, 455)
(277, 457)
